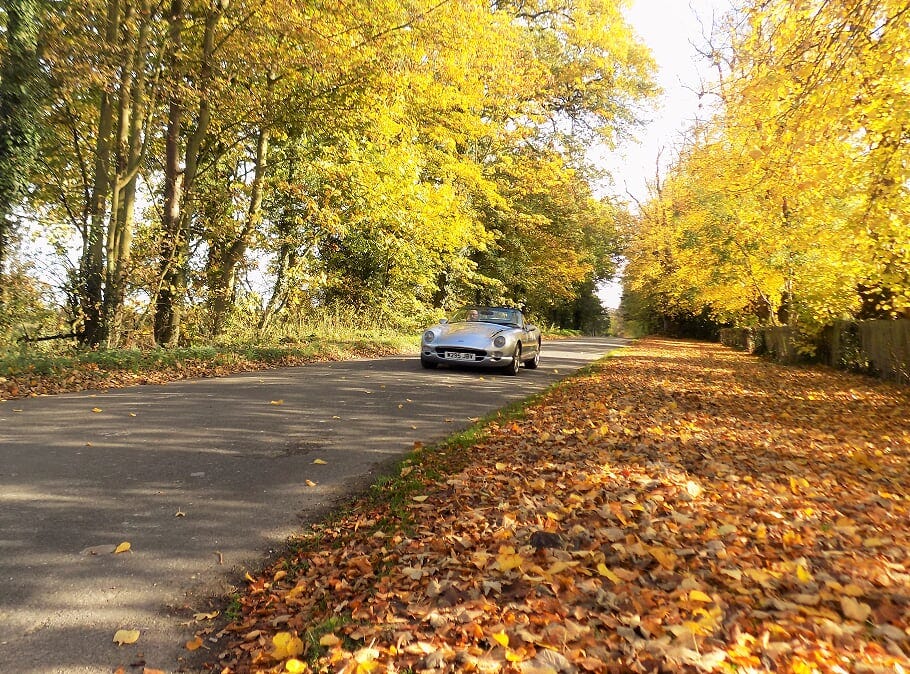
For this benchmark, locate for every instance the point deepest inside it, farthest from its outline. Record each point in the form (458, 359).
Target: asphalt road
(204, 479)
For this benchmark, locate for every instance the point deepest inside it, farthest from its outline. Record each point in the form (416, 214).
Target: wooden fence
(879, 348)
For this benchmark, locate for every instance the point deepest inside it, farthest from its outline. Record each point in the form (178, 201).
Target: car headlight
(499, 342)
(429, 336)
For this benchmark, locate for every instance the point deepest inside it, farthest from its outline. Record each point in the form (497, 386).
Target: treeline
(791, 204)
(389, 157)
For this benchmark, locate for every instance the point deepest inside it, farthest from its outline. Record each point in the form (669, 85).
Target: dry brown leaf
(684, 507)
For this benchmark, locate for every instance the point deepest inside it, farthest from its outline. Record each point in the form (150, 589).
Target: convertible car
(489, 337)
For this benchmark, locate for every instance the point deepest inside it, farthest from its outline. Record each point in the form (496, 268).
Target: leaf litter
(681, 508)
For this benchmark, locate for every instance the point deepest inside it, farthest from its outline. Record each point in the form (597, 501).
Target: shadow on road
(202, 478)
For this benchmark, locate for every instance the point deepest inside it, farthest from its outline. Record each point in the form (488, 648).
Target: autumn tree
(788, 202)
(391, 158)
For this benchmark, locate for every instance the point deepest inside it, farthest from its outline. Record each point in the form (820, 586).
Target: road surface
(203, 479)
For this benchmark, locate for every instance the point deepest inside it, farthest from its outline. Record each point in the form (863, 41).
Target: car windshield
(500, 315)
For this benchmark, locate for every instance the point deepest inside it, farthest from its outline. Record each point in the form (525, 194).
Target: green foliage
(26, 309)
(21, 89)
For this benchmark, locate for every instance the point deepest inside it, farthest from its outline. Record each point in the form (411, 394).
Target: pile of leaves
(681, 508)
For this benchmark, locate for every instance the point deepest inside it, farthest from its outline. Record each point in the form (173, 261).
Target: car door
(528, 339)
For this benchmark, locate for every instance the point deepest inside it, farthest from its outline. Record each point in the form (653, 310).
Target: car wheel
(512, 368)
(532, 363)
(428, 364)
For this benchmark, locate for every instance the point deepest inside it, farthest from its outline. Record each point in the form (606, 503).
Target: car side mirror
(530, 326)
(443, 321)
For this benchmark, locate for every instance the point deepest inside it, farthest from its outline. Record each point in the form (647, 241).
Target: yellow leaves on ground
(123, 547)
(608, 574)
(363, 662)
(122, 637)
(97, 410)
(286, 645)
(757, 544)
(698, 595)
(320, 462)
(508, 559)
(329, 640)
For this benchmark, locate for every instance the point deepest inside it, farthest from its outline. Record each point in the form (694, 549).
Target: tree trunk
(130, 150)
(225, 276)
(169, 296)
(178, 188)
(279, 293)
(91, 269)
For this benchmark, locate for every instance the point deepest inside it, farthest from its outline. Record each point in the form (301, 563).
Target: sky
(671, 29)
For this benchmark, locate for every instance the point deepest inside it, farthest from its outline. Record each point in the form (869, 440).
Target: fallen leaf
(508, 559)
(320, 462)
(276, 402)
(122, 637)
(855, 610)
(698, 595)
(683, 543)
(206, 616)
(96, 410)
(286, 645)
(123, 547)
(853, 590)
(608, 574)
(194, 644)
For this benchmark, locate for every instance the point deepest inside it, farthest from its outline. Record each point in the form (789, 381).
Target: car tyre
(428, 364)
(512, 368)
(532, 363)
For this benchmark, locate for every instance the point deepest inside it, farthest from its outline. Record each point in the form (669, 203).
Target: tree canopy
(201, 165)
(790, 205)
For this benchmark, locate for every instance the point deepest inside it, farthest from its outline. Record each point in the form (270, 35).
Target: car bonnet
(476, 329)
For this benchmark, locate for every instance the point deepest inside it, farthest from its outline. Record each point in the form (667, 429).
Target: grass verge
(30, 374)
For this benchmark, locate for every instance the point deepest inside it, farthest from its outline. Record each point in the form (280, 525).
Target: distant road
(203, 479)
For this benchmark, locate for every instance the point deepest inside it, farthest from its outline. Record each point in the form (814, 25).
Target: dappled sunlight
(204, 479)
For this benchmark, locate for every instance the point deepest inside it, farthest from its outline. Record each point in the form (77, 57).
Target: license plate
(458, 355)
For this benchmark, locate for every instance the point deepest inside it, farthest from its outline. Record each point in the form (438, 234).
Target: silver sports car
(491, 337)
